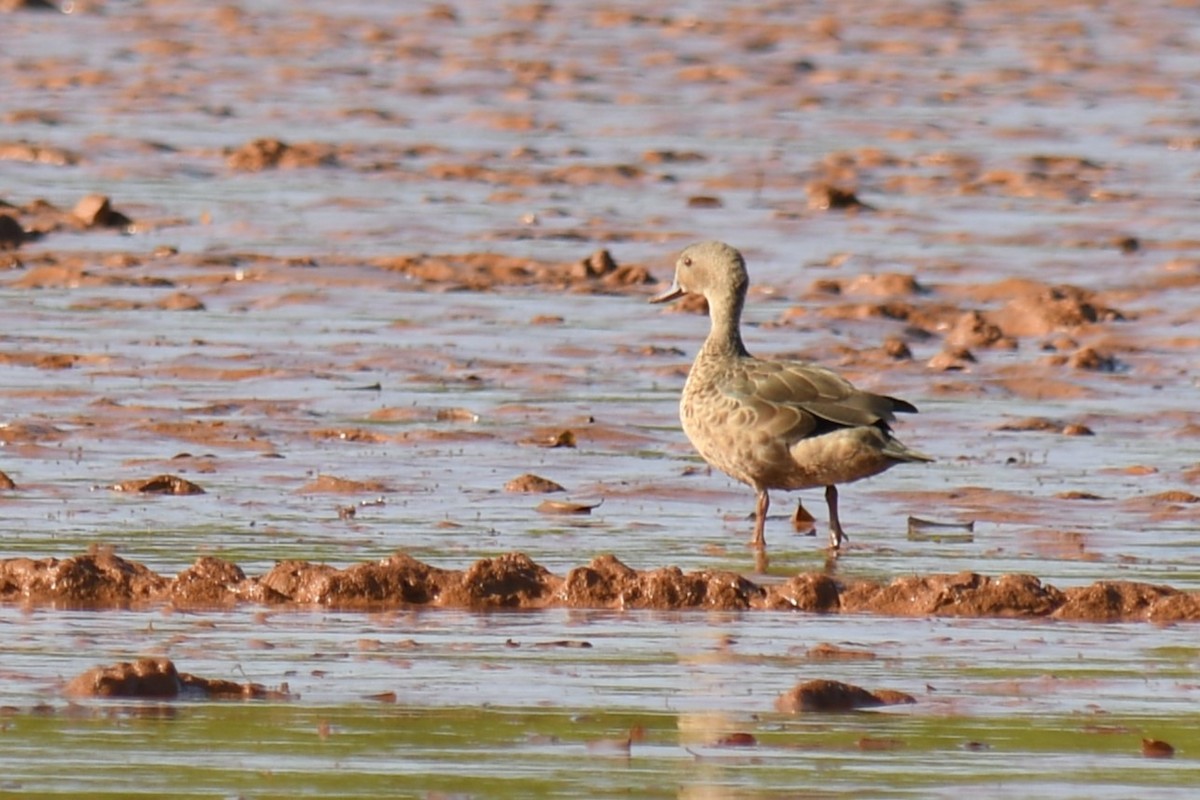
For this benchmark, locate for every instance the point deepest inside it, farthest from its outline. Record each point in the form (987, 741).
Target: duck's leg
(760, 519)
(836, 534)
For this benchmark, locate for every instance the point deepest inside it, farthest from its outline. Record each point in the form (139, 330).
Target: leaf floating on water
(532, 484)
(6, 482)
(1156, 748)
(159, 484)
(564, 507)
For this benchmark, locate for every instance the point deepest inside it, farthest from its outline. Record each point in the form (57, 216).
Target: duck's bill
(668, 295)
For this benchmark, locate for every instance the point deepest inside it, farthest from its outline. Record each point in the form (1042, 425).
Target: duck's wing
(793, 400)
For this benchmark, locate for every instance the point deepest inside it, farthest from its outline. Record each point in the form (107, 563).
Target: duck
(775, 424)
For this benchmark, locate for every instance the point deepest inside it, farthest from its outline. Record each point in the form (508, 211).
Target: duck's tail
(898, 451)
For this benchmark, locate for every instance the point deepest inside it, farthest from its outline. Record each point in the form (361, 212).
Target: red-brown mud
(514, 581)
(529, 483)
(1060, 328)
(827, 695)
(598, 272)
(159, 484)
(991, 203)
(158, 679)
(33, 220)
(1157, 748)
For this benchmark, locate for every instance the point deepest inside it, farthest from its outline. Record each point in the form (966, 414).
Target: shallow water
(422, 702)
(939, 122)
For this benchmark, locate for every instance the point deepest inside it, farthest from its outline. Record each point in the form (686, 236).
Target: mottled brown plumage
(775, 424)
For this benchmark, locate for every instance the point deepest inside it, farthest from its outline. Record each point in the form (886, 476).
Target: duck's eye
(687, 261)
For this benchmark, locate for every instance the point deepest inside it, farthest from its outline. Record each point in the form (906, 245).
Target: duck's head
(712, 269)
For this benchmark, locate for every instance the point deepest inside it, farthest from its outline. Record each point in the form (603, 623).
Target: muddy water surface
(347, 284)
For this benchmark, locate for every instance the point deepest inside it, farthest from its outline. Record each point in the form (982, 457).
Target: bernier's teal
(775, 424)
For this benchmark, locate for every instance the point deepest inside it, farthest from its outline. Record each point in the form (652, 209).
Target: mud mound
(158, 679)
(1112, 601)
(806, 592)
(35, 219)
(607, 583)
(830, 696)
(597, 273)
(514, 581)
(95, 579)
(209, 582)
(964, 595)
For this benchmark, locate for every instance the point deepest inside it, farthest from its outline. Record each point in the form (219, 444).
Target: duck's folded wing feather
(794, 399)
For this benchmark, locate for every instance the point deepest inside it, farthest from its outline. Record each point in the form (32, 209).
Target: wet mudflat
(347, 299)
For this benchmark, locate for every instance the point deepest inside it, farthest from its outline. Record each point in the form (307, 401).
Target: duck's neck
(724, 335)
